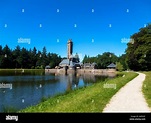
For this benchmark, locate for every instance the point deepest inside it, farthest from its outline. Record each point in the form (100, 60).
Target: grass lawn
(147, 88)
(89, 99)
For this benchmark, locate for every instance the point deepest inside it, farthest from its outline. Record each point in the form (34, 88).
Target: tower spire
(69, 48)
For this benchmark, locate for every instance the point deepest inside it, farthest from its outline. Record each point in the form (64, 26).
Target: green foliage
(43, 99)
(138, 53)
(119, 66)
(32, 67)
(23, 58)
(39, 67)
(147, 88)
(122, 60)
(54, 60)
(102, 60)
(6, 58)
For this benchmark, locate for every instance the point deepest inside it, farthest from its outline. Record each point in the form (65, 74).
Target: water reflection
(73, 81)
(29, 88)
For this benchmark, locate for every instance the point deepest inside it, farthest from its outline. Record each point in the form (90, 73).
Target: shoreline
(110, 72)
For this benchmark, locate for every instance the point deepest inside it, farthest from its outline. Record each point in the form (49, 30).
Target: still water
(23, 89)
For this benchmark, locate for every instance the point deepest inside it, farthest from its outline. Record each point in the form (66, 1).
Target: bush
(32, 67)
(119, 66)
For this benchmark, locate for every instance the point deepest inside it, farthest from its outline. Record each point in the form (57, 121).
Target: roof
(112, 65)
(64, 62)
(47, 67)
(93, 64)
(87, 64)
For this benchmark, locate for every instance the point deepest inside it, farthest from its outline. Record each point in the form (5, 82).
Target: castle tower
(69, 48)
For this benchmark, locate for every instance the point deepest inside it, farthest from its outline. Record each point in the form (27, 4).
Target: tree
(85, 59)
(55, 60)
(138, 53)
(6, 58)
(32, 58)
(16, 57)
(44, 52)
(102, 60)
(122, 60)
(106, 58)
(44, 57)
(39, 59)
(24, 58)
(119, 66)
(1, 50)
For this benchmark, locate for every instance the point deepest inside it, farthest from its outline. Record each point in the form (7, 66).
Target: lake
(22, 89)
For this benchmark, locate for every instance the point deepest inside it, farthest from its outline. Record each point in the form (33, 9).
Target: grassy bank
(147, 88)
(90, 99)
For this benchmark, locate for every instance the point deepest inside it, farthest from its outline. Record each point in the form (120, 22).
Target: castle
(72, 62)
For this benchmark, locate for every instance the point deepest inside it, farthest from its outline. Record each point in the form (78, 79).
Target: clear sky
(95, 26)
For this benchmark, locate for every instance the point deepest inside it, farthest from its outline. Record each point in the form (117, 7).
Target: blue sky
(95, 26)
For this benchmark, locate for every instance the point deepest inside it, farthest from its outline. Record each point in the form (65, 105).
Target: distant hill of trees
(23, 58)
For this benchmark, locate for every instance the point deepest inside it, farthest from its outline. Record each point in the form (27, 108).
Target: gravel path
(129, 98)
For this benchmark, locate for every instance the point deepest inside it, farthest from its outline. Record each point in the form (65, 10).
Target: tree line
(137, 54)
(23, 58)
(106, 59)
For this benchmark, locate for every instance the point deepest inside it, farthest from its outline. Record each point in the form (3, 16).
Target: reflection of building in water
(73, 81)
(69, 84)
(92, 78)
(88, 78)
